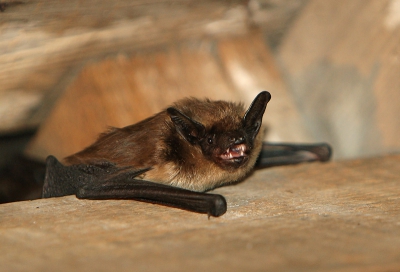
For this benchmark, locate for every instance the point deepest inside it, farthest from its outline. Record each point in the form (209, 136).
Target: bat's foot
(58, 179)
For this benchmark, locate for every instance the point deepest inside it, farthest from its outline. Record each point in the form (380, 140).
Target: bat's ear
(191, 130)
(253, 117)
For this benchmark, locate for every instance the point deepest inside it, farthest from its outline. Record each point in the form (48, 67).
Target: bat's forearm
(211, 204)
(275, 154)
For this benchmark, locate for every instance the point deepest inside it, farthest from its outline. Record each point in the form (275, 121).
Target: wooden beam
(341, 216)
(43, 44)
(341, 60)
(124, 89)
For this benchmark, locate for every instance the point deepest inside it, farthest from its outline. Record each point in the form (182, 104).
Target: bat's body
(187, 146)
(194, 145)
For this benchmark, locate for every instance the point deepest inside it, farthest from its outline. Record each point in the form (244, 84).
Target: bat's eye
(210, 140)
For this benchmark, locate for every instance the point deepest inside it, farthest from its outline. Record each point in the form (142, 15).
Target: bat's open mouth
(235, 153)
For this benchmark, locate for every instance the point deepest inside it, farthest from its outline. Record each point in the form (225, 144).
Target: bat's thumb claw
(324, 152)
(219, 206)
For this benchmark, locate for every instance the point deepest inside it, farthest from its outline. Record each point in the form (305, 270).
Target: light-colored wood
(341, 60)
(251, 67)
(45, 43)
(341, 216)
(274, 17)
(123, 90)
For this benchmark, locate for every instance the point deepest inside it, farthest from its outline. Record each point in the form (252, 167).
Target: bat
(175, 156)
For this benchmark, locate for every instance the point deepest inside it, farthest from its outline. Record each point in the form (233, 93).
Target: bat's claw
(219, 206)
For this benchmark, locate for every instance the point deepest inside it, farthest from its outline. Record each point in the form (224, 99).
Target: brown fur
(154, 143)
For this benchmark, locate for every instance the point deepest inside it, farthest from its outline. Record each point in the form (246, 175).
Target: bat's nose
(238, 140)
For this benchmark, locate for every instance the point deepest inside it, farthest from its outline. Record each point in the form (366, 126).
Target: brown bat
(173, 157)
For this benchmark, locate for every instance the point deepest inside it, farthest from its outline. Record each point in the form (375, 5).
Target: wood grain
(341, 60)
(341, 216)
(125, 89)
(43, 44)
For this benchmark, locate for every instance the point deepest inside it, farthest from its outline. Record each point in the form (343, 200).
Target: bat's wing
(106, 181)
(63, 180)
(284, 154)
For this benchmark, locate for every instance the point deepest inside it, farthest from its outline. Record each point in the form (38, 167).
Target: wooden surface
(342, 216)
(123, 90)
(45, 43)
(341, 60)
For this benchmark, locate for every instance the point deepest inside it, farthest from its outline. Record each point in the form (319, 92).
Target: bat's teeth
(238, 148)
(235, 151)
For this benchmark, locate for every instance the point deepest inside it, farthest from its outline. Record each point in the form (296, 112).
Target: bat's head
(227, 140)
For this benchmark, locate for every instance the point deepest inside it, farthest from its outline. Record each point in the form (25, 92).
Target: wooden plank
(342, 60)
(38, 55)
(341, 216)
(123, 90)
(41, 55)
(251, 67)
(274, 17)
